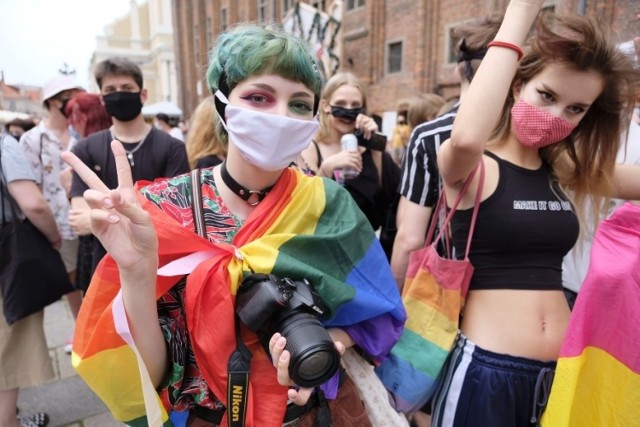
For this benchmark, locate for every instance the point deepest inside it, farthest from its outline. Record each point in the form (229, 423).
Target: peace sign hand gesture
(117, 219)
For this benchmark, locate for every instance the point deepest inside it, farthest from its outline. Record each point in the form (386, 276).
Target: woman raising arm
(546, 124)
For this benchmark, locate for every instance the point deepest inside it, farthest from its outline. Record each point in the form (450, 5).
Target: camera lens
(315, 365)
(314, 358)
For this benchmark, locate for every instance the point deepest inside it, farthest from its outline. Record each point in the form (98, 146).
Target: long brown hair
(340, 79)
(584, 161)
(202, 139)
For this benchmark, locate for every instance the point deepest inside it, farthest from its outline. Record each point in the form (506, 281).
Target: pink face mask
(536, 128)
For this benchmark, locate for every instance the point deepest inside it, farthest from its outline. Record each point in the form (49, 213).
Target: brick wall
(421, 25)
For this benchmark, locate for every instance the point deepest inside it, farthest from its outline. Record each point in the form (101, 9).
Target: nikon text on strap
(238, 381)
(240, 361)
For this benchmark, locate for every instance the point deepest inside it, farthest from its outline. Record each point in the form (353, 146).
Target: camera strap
(240, 361)
(323, 415)
(238, 381)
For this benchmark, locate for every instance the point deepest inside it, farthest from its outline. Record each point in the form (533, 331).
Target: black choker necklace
(252, 197)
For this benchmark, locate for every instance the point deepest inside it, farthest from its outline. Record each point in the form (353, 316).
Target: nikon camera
(267, 304)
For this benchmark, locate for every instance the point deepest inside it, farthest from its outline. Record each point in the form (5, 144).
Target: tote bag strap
(196, 203)
(442, 203)
(476, 207)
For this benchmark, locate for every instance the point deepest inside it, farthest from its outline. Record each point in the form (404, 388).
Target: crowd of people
(209, 242)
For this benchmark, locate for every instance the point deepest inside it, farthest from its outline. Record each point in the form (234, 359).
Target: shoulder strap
(319, 155)
(442, 203)
(476, 207)
(42, 135)
(196, 204)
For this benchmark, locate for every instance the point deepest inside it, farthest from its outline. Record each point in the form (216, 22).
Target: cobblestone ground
(67, 400)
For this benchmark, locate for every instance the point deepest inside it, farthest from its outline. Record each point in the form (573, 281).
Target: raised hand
(117, 219)
(367, 125)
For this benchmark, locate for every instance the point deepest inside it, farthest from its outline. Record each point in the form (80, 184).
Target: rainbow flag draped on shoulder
(597, 380)
(305, 227)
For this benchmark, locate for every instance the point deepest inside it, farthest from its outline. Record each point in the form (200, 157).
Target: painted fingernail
(107, 203)
(113, 218)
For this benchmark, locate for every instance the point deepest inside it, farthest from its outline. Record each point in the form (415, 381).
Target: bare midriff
(521, 323)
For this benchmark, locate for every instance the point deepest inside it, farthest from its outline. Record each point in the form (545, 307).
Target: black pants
(570, 296)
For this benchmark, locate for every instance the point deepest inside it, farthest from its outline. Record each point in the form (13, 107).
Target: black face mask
(123, 106)
(16, 136)
(346, 113)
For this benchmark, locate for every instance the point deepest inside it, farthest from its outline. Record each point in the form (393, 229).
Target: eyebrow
(269, 88)
(578, 104)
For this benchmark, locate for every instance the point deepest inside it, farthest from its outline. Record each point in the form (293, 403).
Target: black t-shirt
(159, 156)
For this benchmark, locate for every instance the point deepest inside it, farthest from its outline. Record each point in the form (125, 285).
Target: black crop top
(523, 231)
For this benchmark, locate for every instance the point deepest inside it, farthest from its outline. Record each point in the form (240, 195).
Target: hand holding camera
(281, 359)
(277, 308)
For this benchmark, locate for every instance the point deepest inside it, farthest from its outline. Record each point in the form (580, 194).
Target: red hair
(87, 114)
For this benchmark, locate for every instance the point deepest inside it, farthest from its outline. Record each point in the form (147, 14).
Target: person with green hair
(235, 289)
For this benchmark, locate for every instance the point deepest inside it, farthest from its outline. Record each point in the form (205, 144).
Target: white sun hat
(57, 85)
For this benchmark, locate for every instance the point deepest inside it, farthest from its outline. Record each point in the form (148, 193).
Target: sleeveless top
(523, 231)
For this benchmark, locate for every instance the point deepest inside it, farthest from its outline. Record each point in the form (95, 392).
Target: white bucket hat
(57, 85)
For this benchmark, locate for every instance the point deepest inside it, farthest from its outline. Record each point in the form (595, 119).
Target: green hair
(252, 49)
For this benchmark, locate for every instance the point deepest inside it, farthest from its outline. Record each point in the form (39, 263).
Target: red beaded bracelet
(507, 45)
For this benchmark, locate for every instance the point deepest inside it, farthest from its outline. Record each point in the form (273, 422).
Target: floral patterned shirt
(185, 387)
(43, 151)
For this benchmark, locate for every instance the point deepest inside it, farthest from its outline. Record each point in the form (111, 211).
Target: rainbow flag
(306, 227)
(597, 380)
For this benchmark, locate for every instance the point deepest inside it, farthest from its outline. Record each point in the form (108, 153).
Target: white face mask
(268, 141)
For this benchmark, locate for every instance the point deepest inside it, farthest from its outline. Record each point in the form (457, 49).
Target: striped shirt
(420, 178)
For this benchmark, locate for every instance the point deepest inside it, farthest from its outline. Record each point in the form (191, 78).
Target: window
(450, 46)
(394, 57)
(548, 9)
(548, 13)
(223, 20)
(286, 5)
(209, 34)
(352, 4)
(262, 10)
(196, 46)
(318, 5)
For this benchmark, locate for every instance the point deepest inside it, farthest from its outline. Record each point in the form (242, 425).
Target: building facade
(397, 47)
(21, 98)
(144, 35)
